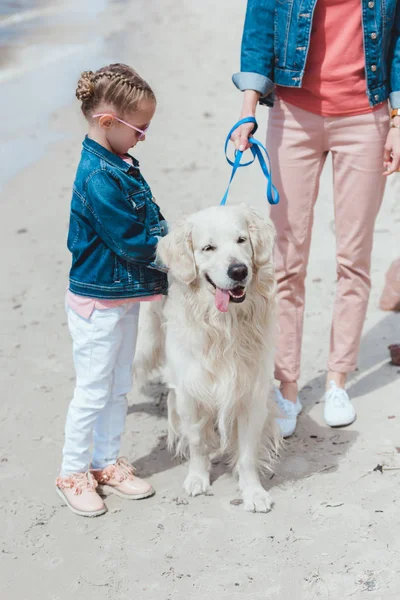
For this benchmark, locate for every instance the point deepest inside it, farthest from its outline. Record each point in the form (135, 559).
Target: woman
(326, 68)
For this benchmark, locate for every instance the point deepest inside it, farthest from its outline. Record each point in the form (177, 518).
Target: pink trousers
(298, 143)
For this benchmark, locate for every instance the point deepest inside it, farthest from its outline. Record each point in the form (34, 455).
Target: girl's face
(119, 137)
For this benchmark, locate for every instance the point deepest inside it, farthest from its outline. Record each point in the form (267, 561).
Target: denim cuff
(156, 263)
(164, 228)
(158, 266)
(253, 81)
(394, 98)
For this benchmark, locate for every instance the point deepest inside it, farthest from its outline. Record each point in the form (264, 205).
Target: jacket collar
(114, 160)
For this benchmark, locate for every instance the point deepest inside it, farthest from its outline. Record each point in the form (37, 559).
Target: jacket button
(373, 68)
(371, 4)
(376, 97)
(373, 36)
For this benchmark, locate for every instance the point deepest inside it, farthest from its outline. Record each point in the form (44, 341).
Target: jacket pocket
(117, 276)
(73, 233)
(138, 202)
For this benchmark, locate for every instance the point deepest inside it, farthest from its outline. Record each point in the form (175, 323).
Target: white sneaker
(291, 410)
(338, 409)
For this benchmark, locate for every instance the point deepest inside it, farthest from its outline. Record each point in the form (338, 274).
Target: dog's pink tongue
(222, 300)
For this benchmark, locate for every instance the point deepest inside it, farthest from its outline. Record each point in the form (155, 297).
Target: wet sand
(334, 531)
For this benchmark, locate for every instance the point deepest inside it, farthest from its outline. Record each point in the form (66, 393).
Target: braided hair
(117, 85)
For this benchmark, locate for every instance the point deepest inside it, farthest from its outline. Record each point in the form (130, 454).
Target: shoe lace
(285, 407)
(79, 482)
(121, 471)
(338, 397)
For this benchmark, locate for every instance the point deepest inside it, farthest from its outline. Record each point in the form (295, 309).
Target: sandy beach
(334, 531)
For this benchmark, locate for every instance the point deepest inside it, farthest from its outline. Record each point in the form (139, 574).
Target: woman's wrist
(250, 101)
(395, 121)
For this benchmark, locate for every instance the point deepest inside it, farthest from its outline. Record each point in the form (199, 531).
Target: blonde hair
(117, 85)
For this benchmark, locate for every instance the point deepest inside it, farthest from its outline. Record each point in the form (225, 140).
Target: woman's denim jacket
(114, 229)
(276, 39)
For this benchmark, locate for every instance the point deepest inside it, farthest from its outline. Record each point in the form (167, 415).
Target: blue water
(10, 7)
(38, 79)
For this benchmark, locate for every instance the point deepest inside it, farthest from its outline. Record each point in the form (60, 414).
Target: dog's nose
(238, 272)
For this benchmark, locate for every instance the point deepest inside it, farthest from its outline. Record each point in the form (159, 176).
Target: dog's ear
(262, 235)
(175, 251)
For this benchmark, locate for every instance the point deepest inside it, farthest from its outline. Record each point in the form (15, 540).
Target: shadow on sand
(314, 449)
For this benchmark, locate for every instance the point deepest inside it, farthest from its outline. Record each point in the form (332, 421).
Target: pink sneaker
(79, 493)
(120, 479)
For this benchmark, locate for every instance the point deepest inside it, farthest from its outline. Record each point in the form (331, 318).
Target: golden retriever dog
(216, 333)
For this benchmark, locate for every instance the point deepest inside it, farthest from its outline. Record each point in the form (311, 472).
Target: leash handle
(258, 151)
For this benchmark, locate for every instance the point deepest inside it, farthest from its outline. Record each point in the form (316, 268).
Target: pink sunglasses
(141, 131)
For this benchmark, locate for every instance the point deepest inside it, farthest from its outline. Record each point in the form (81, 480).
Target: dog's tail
(150, 354)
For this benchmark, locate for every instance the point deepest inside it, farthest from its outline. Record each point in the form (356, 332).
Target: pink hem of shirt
(301, 99)
(84, 305)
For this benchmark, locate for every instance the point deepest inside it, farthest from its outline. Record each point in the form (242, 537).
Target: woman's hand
(391, 155)
(240, 137)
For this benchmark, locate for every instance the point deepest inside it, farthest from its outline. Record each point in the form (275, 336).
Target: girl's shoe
(78, 491)
(120, 479)
(338, 409)
(290, 410)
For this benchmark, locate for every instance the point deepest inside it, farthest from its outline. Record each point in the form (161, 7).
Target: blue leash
(258, 150)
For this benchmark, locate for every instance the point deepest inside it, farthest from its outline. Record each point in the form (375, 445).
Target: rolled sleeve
(253, 81)
(257, 50)
(395, 99)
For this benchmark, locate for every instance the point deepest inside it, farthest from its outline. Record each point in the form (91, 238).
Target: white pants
(103, 352)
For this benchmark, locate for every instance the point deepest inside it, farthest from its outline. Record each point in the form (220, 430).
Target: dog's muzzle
(223, 296)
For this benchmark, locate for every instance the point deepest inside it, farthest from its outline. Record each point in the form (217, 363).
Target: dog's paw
(257, 500)
(196, 484)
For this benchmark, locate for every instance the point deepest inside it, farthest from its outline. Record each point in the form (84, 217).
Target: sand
(334, 531)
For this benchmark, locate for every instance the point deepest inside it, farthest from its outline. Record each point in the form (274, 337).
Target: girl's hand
(391, 155)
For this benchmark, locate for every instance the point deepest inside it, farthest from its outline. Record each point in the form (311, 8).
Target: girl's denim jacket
(276, 39)
(114, 228)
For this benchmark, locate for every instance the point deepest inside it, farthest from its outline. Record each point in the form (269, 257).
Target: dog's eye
(209, 248)
(241, 240)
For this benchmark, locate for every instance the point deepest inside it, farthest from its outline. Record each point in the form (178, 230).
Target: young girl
(114, 228)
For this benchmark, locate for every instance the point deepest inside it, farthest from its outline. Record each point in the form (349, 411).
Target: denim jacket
(114, 228)
(276, 39)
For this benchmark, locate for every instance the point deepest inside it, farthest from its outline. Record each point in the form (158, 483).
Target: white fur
(218, 365)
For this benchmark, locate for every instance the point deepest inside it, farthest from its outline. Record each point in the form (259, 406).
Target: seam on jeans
(111, 400)
(135, 308)
(118, 310)
(121, 315)
(337, 165)
(91, 323)
(307, 233)
(86, 322)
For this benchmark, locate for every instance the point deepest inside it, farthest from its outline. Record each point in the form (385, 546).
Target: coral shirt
(334, 81)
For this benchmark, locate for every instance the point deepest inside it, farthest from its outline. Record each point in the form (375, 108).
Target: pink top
(334, 80)
(84, 305)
